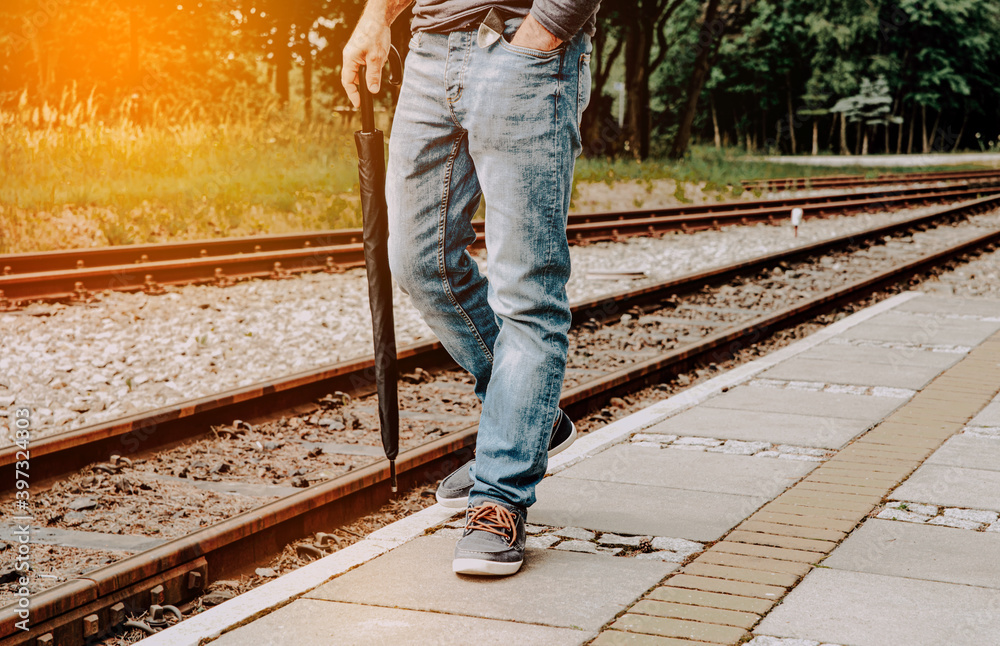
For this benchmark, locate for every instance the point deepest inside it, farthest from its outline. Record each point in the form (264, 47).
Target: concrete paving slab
(921, 552)
(712, 472)
(311, 621)
(952, 487)
(989, 416)
(779, 428)
(799, 402)
(875, 610)
(952, 305)
(854, 373)
(970, 452)
(881, 356)
(640, 509)
(902, 327)
(567, 589)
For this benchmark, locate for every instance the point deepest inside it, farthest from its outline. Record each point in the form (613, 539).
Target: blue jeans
(502, 122)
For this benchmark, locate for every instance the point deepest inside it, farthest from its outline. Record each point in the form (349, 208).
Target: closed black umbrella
(371, 173)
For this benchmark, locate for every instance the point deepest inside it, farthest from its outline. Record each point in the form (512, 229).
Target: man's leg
(521, 109)
(432, 193)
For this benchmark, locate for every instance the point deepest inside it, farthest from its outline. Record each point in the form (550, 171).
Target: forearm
(384, 12)
(563, 18)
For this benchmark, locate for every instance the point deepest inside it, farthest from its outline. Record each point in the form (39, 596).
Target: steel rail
(84, 607)
(143, 254)
(152, 276)
(848, 181)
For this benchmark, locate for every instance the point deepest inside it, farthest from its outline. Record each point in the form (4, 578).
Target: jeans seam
(442, 238)
(543, 439)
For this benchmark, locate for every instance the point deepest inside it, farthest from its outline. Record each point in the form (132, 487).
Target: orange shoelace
(492, 518)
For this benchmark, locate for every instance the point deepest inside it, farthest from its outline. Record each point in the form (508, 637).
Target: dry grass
(74, 179)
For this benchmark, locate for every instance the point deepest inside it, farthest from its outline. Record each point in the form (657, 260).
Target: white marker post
(796, 220)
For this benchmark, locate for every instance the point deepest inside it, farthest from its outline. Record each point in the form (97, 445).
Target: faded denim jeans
(503, 122)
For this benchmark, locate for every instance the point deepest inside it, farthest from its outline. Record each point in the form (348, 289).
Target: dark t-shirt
(563, 18)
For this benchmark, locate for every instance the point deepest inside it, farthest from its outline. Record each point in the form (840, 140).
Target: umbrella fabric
(371, 172)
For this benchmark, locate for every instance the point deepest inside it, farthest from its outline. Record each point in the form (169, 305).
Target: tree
(871, 107)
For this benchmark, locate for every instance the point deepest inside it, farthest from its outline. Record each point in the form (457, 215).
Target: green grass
(722, 171)
(72, 180)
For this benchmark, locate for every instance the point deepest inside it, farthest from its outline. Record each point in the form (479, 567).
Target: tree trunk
(307, 81)
(638, 120)
(715, 122)
(899, 135)
(923, 129)
(857, 140)
(763, 130)
(791, 112)
(961, 131)
(815, 148)
(282, 61)
(934, 130)
(844, 149)
(864, 143)
(600, 131)
(707, 43)
(913, 121)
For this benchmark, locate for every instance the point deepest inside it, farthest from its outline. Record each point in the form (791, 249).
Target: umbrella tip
(392, 476)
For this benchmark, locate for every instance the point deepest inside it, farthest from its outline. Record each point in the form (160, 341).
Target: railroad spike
(195, 580)
(7, 270)
(79, 264)
(279, 272)
(203, 253)
(117, 614)
(80, 293)
(150, 286)
(91, 625)
(331, 267)
(256, 248)
(220, 279)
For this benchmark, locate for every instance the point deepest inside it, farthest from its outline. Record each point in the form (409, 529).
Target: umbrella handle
(367, 99)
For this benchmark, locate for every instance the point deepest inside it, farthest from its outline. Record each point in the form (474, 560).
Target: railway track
(77, 274)
(858, 181)
(715, 310)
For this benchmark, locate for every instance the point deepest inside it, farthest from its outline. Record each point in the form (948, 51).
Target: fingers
(374, 63)
(349, 79)
(368, 46)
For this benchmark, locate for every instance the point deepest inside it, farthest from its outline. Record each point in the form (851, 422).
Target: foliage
(872, 105)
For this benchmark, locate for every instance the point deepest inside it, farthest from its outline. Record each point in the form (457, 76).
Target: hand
(369, 46)
(532, 35)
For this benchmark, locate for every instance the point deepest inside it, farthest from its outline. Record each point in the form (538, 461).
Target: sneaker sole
(484, 568)
(462, 503)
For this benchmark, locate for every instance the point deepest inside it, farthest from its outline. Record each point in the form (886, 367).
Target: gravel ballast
(123, 354)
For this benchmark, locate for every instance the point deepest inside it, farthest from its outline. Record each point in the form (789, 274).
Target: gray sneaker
(453, 492)
(493, 542)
